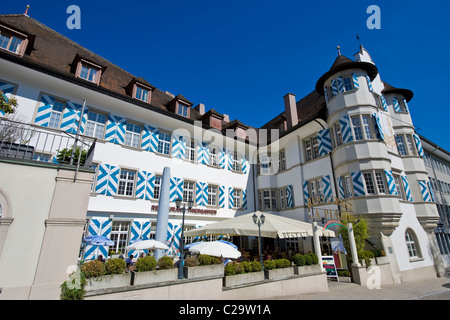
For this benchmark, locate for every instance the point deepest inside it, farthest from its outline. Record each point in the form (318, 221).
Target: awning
(274, 226)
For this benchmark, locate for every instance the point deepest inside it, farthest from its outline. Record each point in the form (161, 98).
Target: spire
(339, 50)
(26, 11)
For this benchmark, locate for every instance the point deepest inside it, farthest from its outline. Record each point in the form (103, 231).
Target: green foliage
(360, 231)
(165, 262)
(206, 260)
(269, 265)
(191, 262)
(72, 289)
(299, 259)
(147, 263)
(343, 273)
(282, 263)
(247, 266)
(65, 155)
(308, 259)
(7, 105)
(115, 266)
(256, 266)
(365, 255)
(315, 259)
(93, 269)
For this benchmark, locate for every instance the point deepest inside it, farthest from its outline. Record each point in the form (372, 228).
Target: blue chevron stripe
(406, 105)
(327, 191)
(231, 198)
(433, 199)
(358, 184)
(244, 199)
(334, 88)
(424, 190)
(101, 227)
(397, 107)
(383, 102)
(44, 111)
(407, 188)
(115, 129)
(376, 119)
(150, 138)
(418, 145)
(355, 81)
(71, 117)
(244, 164)
(324, 141)
(340, 84)
(222, 197)
(391, 182)
(346, 130)
(107, 180)
(306, 191)
(176, 189)
(369, 84)
(201, 196)
(341, 188)
(203, 153)
(289, 197)
(178, 146)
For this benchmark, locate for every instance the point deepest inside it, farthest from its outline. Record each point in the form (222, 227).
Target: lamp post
(259, 221)
(181, 261)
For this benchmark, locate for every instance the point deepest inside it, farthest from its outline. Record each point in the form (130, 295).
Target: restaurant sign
(154, 208)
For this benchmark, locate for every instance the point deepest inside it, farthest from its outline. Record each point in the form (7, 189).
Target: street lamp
(181, 261)
(259, 221)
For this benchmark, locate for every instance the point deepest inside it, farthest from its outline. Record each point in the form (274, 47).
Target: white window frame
(188, 191)
(127, 182)
(157, 189)
(164, 143)
(133, 135)
(190, 150)
(98, 127)
(119, 234)
(237, 198)
(236, 162)
(213, 195)
(311, 147)
(282, 160)
(213, 157)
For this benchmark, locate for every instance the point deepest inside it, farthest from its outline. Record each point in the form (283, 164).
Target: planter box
(108, 282)
(278, 274)
(243, 279)
(212, 271)
(155, 276)
(345, 279)
(307, 270)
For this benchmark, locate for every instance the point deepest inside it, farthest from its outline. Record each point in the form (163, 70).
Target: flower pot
(243, 279)
(278, 274)
(108, 282)
(307, 270)
(211, 271)
(154, 276)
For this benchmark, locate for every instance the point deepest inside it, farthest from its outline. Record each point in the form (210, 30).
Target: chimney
(226, 118)
(291, 110)
(200, 108)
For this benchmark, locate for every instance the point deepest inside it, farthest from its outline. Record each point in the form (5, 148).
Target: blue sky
(242, 57)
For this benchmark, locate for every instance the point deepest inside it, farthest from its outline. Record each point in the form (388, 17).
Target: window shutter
(355, 80)
(383, 102)
(97, 227)
(340, 84)
(369, 84)
(178, 146)
(223, 159)
(115, 129)
(396, 105)
(327, 191)
(176, 189)
(346, 130)
(407, 188)
(341, 188)
(107, 180)
(244, 199)
(358, 184)
(391, 182)
(406, 105)
(230, 198)
(150, 138)
(324, 142)
(289, 197)
(325, 93)
(203, 153)
(201, 196)
(376, 120)
(424, 190)
(418, 145)
(305, 192)
(431, 191)
(222, 197)
(44, 111)
(140, 230)
(71, 117)
(334, 88)
(145, 185)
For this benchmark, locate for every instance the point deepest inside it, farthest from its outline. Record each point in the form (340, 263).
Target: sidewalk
(434, 289)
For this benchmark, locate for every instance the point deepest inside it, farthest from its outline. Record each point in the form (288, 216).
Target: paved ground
(435, 289)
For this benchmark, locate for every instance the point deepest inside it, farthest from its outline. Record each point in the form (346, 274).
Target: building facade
(352, 138)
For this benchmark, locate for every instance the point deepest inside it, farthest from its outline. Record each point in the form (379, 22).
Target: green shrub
(308, 259)
(282, 263)
(247, 266)
(343, 273)
(206, 260)
(299, 259)
(269, 265)
(314, 258)
(93, 269)
(71, 290)
(115, 266)
(256, 266)
(229, 269)
(191, 262)
(365, 255)
(165, 263)
(147, 263)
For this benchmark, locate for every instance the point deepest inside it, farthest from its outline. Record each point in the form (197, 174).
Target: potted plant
(305, 265)
(204, 266)
(242, 273)
(344, 276)
(150, 271)
(278, 269)
(106, 275)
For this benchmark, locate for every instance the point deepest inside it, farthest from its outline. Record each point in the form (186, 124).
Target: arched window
(412, 244)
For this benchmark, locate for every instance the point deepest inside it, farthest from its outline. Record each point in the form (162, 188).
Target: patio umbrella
(188, 246)
(98, 241)
(216, 249)
(147, 244)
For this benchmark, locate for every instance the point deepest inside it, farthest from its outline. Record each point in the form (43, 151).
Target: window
(182, 109)
(411, 244)
(356, 122)
(56, 114)
(375, 185)
(311, 148)
(119, 234)
(10, 42)
(89, 72)
(370, 187)
(213, 157)
(379, 177)
(95, 126)
(337, 134)
(282, 198)
(237, 198)
(264, 163)
(315, 188)
(141, 93)
(348, 83)
(126, 183)
(133, 135)
(188, 191)
(212, 195)
(236, 163)
(405, 145)
(368, 127)
(282, 160)
(402, 105)
(157, 190)
(190, 150)
(347, 185)
(164, 143)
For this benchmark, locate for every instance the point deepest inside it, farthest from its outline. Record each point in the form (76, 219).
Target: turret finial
(339, 50)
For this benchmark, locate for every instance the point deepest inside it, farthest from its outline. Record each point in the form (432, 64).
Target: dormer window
(87, 70)
(141, 93)
(140, 89)
(89, 73)
(183, 109)
(12, 41)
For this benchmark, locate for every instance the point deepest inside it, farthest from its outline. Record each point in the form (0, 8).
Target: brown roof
(343, 63)
(408, 94)
(56, 54)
